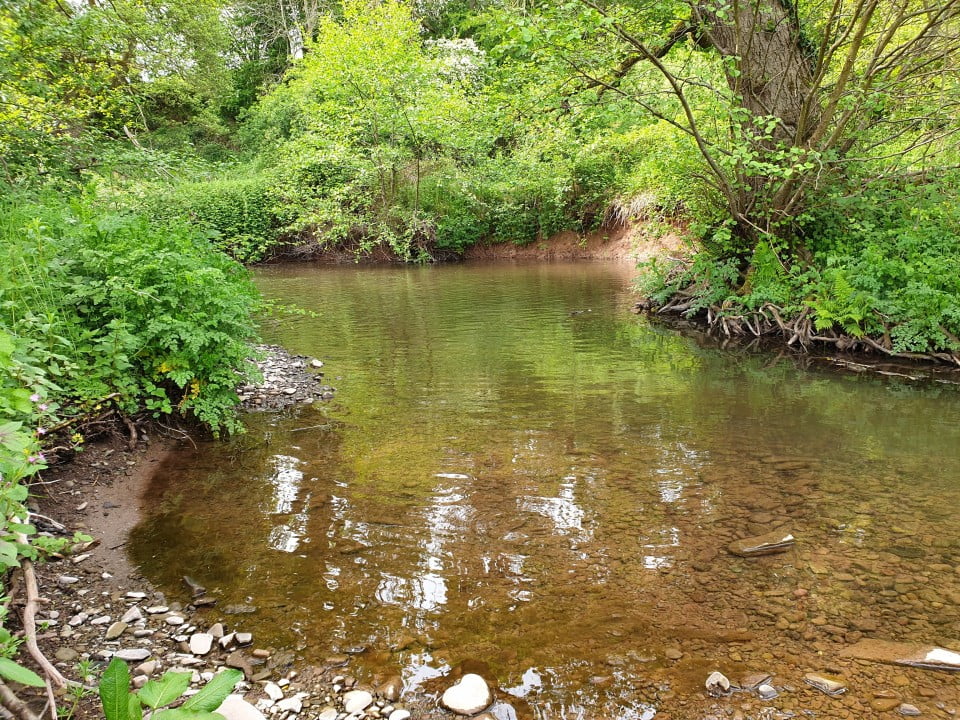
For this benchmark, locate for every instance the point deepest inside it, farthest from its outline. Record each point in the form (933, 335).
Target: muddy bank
(631, 243)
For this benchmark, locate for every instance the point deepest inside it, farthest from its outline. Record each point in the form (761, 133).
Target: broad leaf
(164, 691)
(214, 692)
(135, 708)
(181, 714)
(17, 673)
(115, 690)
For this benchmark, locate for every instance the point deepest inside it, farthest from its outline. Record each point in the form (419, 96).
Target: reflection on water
(502, 481)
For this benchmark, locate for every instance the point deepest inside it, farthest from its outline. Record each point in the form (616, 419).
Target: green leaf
(181, 714)
(214, 692)
(134, 707)
(164, 691)
(17, 673)
(115, 690)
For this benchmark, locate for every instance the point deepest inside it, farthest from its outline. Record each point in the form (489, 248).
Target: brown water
(518, 472)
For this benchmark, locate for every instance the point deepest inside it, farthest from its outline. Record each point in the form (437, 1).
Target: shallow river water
(520, 477)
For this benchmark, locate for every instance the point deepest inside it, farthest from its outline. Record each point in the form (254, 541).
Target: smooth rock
(356, 701)
(930, 657)
(216, 630)
(175, 620)
(132, 615)
(243, 638)
(291, 704)
(115, 631)
(273, 691)
(767, 692)
(673, 654)
(328, 714)
(65, 654)
(158, 609)
(139, 681)
(148, 668)
(398, 715)
(467, 697)
(908, 710)
(133, 654)
(66, 581)
(236, 708)
(883, 704)
(391, 689)
(201, 643)
(102, 620)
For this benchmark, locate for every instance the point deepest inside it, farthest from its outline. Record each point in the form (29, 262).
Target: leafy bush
(111, 305)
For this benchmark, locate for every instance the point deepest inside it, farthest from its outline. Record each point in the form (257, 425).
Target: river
(520, 475)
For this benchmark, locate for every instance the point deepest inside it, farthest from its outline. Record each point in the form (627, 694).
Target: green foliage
(885, 264)
(119, 703)
(114, 307)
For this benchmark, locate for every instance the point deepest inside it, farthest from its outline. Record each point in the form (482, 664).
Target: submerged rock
(930, 657)
(776, 541)
(717, 684)
(825, 683)
(467, 697)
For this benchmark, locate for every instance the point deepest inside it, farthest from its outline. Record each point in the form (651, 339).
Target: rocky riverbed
(722, 647)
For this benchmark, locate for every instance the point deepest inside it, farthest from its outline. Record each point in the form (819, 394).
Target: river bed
(519, 477)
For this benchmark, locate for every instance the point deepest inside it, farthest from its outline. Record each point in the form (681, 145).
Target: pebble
(357, 700)
(469, 696)
(175, 620)
(115, 630)
(908, 710)
(78, 619)
(273, 691)
(66, 581)
(328, 714)
(136, 595)
(158, 609)
(148, 668)
(291, 704)
(201, 643)
(767, 692)
(102, 620)
(66, 654)
(673, 654)
(243, 638)
(133, 654)
(132, 615)
(236, 708)
(398, 715)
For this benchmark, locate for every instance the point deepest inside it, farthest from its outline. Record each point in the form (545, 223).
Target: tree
(783, 98)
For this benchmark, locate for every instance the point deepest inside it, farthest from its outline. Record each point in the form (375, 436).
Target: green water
(518, 472)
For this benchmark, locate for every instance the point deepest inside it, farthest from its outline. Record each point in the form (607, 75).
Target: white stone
(78, 619)
(216, 630)
(133, 654)
(201, 643)
(273, 691)
(158, 609)
(291, 704)
(136, 595)
(236, 708)
(399, 715)
(356, 701)
(175, 620)
(102, 620)
(226, 640)
(328, 714)
(467, 697)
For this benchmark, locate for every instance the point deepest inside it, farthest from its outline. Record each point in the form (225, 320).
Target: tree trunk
(766, 64)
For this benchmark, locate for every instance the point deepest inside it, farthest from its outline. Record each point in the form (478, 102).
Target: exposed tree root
(798, 332)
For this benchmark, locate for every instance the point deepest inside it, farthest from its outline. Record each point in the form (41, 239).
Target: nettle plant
(121, 703)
